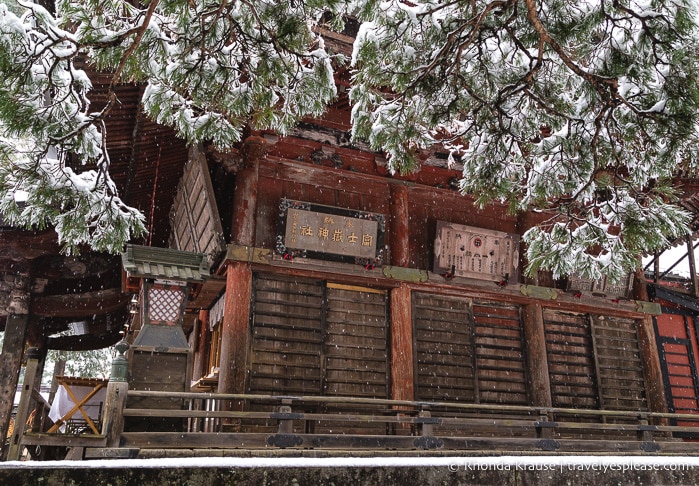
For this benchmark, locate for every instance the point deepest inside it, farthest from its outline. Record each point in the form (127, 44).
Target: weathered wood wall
(594, 361)
(356, 354)
(468, 351)
(287, 337)
(423, 208)
(570, 359)
(312, 338)
(321, 328)
(283, 179)
(444, 350)
(619, 367)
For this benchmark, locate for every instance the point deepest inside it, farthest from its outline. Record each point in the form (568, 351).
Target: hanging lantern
(164, 278)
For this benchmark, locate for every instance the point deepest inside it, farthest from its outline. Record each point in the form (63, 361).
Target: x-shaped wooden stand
(78, 406)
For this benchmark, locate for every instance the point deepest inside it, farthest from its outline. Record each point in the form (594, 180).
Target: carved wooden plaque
(466, 251)
(330, 233)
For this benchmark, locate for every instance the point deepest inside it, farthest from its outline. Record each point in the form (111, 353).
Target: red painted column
(402, 365)
(235, 330)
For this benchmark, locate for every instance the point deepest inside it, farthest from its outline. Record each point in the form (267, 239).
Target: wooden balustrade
(322, 422)
(302, 422)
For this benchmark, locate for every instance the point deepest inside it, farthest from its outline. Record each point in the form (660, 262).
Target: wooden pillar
(201, 349)
(639, 287)
(117, 390)
(37, 423)
(651, 365)
(235, 329)
(402, 363)
(245, 196)
(400, 229)
(650, 355)
(25, 401)
(16, 328)
(692, 266)
(537, 360)
(59, 368)
(656, 268)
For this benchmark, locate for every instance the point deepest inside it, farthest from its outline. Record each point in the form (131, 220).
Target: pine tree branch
(605, 86)
(116, 77)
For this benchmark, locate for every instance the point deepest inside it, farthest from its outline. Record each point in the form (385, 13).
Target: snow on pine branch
(583, 110)
(549, 106)
(209, 71)
(44, 119)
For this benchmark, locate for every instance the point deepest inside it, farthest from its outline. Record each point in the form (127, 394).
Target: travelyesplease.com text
(562, 467)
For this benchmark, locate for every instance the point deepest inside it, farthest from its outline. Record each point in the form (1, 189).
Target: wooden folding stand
(67, 382)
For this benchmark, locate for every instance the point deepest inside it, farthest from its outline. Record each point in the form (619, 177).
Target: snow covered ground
(527, 463)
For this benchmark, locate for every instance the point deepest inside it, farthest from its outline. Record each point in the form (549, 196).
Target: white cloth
(63, 403)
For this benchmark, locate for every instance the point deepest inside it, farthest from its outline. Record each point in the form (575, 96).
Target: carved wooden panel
(466, 251)
(601, 286)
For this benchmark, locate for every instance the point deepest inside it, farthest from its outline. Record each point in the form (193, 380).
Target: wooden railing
(209, 420)
(245, 421)
(134, 421)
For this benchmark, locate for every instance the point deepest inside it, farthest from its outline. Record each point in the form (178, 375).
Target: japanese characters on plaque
(466, 251)
(330, 233)
(601, 286)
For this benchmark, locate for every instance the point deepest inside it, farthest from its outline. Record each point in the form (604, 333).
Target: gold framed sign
(329, 233)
